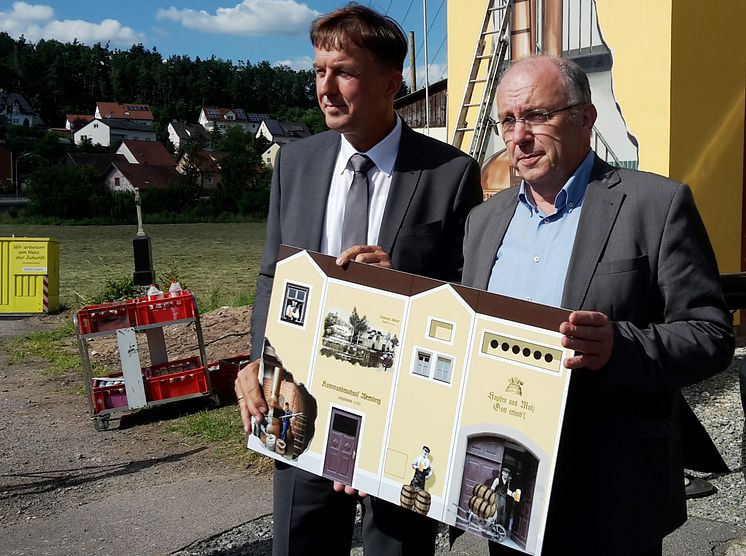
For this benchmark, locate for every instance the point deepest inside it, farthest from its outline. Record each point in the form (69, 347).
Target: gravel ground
(716, 402)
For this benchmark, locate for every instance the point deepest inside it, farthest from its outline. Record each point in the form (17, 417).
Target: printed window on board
(422, 365)
(443, 367)
(440, 330)
(294, 304)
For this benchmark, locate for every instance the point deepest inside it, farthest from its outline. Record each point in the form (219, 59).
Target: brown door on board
(341, 446)
(484, 455)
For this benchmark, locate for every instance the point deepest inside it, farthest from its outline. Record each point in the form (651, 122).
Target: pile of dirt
(225, 332)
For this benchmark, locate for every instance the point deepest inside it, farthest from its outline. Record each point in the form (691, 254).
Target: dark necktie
(355, 226)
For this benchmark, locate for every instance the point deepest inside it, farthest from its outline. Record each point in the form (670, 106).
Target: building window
(440, 330)
(95, 125)
(116, 182)
(443, 366)
(422, 365)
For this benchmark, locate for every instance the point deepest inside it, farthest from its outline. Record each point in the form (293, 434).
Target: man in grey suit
(628, 253)
(420, 191)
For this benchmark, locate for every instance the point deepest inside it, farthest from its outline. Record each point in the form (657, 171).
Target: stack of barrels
(482, 502)
(413, 499)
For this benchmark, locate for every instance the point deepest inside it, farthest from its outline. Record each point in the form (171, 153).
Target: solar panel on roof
(240, 114)
(213, 114)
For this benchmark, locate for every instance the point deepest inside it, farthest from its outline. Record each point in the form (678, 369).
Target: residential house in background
(181, 132)
(213, 117)
(268, 156)
(106, 132)
(17, 111)
(73, 122)
(207, 166)
(279, 133)
(100, 163)
(145, 152)
(125, 176)
(130, 112)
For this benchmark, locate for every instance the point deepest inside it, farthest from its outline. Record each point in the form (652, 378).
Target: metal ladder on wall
(495, 26)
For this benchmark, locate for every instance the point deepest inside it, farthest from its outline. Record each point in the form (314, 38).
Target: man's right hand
(250, 395)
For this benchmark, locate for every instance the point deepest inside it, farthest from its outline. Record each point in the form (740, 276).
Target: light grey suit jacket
(433, 189)
(642, 256)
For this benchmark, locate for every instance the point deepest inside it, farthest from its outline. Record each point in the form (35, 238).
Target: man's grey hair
(576, 81)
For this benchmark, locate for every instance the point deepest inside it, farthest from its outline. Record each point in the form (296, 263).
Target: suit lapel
(600, 209)
(407, 171)
(492, 238)
(324, 159)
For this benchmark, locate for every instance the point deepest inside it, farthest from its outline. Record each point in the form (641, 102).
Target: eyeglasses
(506, 126)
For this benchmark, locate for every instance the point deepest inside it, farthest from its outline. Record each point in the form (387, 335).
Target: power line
(406, 14)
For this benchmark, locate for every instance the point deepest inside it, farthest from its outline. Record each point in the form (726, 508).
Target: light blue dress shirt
(533, 259)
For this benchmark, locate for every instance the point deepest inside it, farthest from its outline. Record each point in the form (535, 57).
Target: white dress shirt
(383, 156)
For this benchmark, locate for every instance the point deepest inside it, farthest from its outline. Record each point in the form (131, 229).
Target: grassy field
(218, 262)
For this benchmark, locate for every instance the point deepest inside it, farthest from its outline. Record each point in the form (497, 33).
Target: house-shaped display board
(444, 399)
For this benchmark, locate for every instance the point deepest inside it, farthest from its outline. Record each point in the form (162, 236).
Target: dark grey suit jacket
(642, 256)
(433, 189)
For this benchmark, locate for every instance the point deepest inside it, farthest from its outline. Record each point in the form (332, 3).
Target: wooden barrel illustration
(422, 502)
(481, 507)
(483, 491)
(407, 496)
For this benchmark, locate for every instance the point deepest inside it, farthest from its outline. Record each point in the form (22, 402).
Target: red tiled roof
(85, 118)
(126, 111)
(149, 152)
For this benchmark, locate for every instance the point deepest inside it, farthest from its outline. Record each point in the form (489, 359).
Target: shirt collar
(572, 193)
(383, 154)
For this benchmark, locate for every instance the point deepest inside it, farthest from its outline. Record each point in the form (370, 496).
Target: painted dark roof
(124, 125)
(100, 163)
(144, 176)
(7, 100)
(183, 129)
(217, 114)
(287, 129)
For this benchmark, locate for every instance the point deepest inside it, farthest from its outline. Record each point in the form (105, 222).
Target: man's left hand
(369, 254)
(347, 489)
(591, 335)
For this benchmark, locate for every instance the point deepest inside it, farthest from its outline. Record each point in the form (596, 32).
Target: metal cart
(164, 381)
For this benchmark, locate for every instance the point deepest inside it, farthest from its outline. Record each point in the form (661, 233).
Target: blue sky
(247, 30)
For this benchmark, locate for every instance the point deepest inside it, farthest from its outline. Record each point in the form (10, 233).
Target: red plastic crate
(107, 397)
(223, 374)
(167, 308)
(175, 366)
(174, 385)
(107, 316)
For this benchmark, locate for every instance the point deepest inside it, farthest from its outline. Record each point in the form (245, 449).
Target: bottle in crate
(174, 288)
(154, 292)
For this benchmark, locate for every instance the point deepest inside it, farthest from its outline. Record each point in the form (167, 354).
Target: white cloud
(249, 18)
(37, 22)
(302, 63)
(436, 72)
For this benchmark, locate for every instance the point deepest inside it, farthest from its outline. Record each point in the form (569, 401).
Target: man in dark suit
(420, 191)
(628, 253)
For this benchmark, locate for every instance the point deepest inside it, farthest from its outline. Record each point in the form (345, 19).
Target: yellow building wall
(465, 19)
(679, 78)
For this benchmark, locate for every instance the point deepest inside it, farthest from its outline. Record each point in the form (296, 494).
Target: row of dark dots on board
(516, 349)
